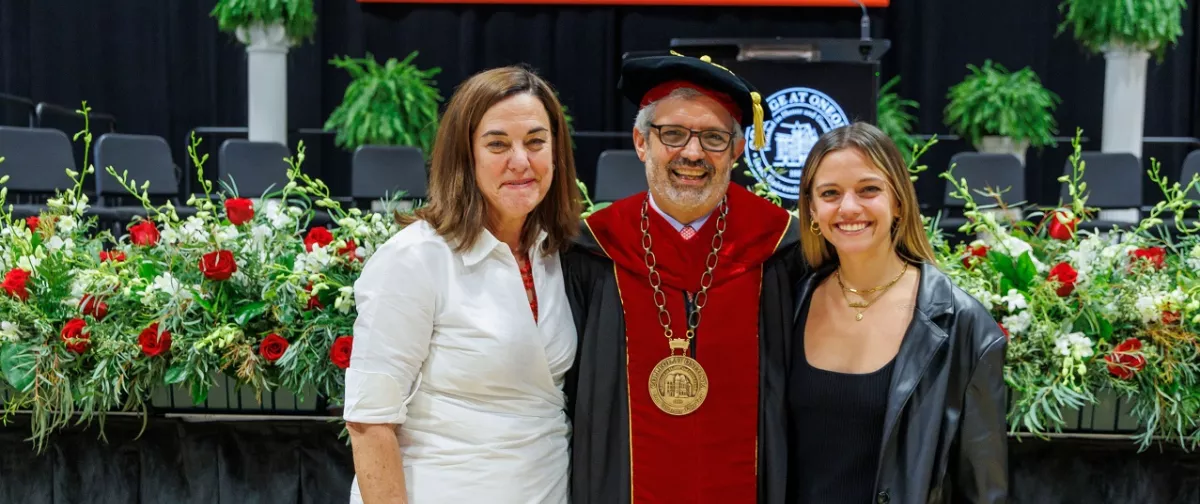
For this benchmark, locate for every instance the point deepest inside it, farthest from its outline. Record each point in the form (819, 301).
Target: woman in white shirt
(463, 336)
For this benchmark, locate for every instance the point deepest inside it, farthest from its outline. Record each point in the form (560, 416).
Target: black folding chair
(252, 168)
(383, 171)
(36, 160)
(1114, 186)
(619, 174)
(1002, 173)
(141, 158)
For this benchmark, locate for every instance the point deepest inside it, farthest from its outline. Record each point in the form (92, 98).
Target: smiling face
(853, 204)
(514, 156)
(688, 179)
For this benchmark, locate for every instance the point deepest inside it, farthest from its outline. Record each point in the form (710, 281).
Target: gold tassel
(759, 136)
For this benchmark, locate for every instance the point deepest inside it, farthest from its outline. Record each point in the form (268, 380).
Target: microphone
(864, 31)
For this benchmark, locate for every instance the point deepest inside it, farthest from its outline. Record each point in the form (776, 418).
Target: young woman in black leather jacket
(895, 390)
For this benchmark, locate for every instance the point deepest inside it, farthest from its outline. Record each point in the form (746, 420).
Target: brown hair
(908, 234)
(456, 208)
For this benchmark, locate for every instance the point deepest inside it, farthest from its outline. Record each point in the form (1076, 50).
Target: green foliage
(297, 16)
(895, 119)
(1146, 24)
(993, 101)
(391, 104)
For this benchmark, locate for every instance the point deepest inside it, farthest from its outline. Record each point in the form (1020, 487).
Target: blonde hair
(908, 234)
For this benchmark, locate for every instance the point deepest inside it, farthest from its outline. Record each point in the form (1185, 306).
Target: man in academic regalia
(682, 298)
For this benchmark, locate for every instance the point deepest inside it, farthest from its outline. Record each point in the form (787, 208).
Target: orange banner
(731, 3)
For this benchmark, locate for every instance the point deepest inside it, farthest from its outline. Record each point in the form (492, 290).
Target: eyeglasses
(678, 136)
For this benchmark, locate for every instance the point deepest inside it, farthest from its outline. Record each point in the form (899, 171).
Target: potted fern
(395, 103)
(1126, 32)
(268, 28)
(894, 119)
(996, 110)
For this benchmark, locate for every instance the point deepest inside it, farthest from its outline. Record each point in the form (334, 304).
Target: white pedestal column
(266, 54)
(1124, 99)
(1003, 145)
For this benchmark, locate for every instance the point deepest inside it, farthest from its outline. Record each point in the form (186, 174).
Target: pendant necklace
(678, 384)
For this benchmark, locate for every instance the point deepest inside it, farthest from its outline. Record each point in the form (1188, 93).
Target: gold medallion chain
(660, 299)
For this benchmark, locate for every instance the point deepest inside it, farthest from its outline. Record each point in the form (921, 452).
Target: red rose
(339, 353)
(314, 303)
(32, 222)
(16, 283)
(218, 265)
(1170, 317)
(153, 342)
(317, 236)
(1155, 255)
(239, 210)
(349, 250)
(114, 256)
(1062, 226)
(144, 233)
(272, 347)
(93, 306)
(1066, 276)
(1126, 359)
(974, 252)
(73, 335)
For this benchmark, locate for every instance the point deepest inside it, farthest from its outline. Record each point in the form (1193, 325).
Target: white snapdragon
(9, 332)
(1014, 301)
(1018, 323)
(1074, 348)
(66, 223)
(345, 299)
(1193, 258)
(226, 234)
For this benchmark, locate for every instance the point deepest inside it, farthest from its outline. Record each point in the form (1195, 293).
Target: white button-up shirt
(446, 347)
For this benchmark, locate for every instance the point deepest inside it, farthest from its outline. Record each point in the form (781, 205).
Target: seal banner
(799, 116)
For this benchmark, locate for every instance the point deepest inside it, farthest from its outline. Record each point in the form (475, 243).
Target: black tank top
(835, 431)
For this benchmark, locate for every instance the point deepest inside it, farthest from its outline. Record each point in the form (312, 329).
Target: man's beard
(687, 196)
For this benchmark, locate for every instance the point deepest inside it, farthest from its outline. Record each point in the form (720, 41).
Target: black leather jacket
(944, 432)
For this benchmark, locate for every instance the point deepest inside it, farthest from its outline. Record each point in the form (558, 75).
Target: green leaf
(1004, 264)
(17, 361)
(248, 312)
(1026, 271)
(148, 271)
(1006, 285)
(176, 373)
(199, 392)
(1106, 328)
(204, 303)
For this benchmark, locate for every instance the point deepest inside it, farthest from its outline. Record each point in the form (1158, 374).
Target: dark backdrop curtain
(162, 68)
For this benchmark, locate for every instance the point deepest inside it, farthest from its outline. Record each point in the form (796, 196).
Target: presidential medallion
(678, 385)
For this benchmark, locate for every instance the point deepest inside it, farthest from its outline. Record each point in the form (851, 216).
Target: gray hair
(646, 115)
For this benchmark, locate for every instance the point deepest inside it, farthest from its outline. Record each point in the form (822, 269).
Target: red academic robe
(712, 454)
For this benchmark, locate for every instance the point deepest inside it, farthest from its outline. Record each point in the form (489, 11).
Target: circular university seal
(678, 385)
(799, 115)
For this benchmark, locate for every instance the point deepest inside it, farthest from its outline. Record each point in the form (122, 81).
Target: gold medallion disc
(678, 385)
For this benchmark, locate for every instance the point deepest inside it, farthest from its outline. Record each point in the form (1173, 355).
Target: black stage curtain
(304, 462)
(162, 68)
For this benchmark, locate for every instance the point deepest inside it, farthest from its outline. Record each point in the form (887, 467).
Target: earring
(812, 226)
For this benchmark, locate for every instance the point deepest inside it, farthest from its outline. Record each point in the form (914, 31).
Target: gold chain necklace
(678, 384)
(867, 303)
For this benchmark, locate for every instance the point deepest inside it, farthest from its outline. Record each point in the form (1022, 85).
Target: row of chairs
(36, 158)
(1114, 182)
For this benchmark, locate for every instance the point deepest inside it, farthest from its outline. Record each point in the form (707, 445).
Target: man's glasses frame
(724, 138)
